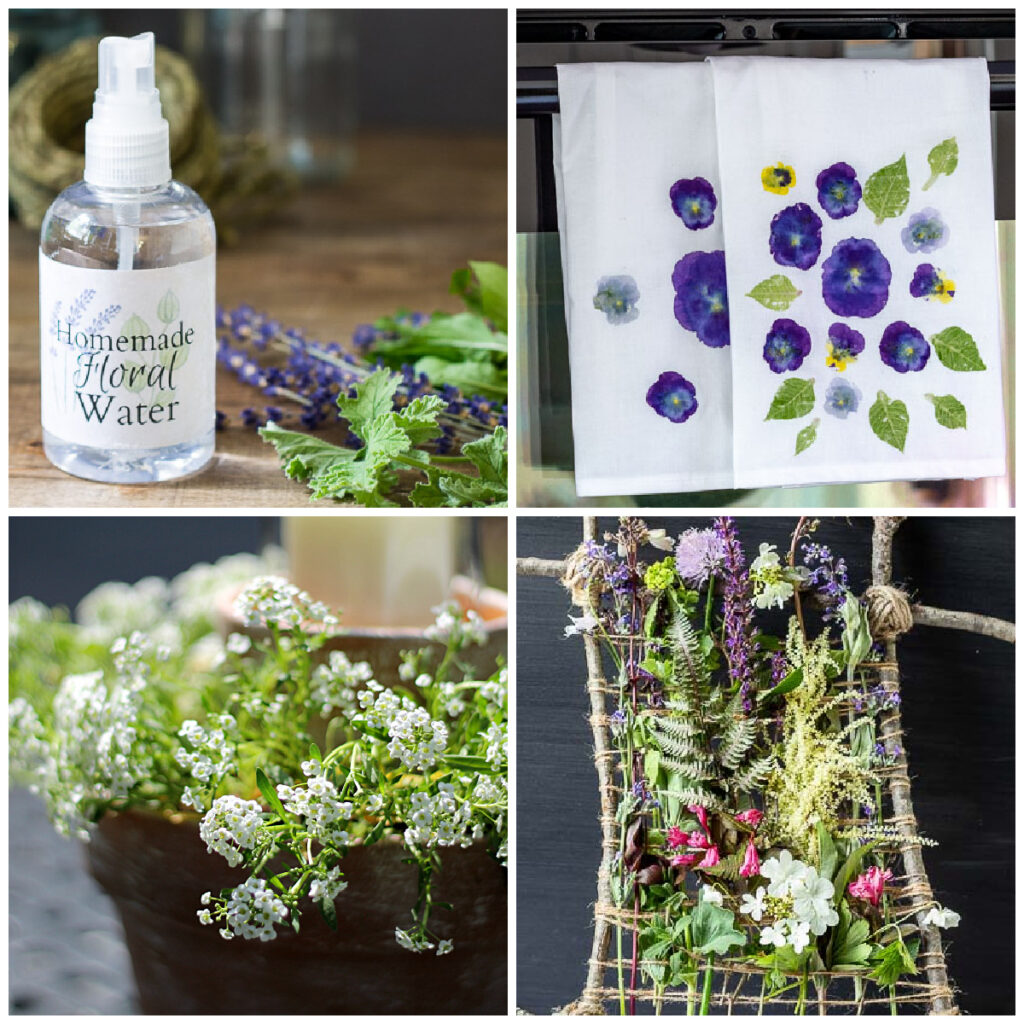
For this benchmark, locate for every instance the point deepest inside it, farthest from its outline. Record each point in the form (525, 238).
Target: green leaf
(807, 437)
(713, 930)
(652, 764)
(776, 292)
(330, 915)
(468, 763)
(794, 398)
(892, 962)
(489, 295)
(828, 856)
(887, 192)
(790, 683)
(849, 947)
(270, 794)
(471, 376)
(889, 420)
(942, 160)
(303, 455)
(314, 752)
(852, 866)
(167, 308)
(419, 418)
(374, 397)
(956, 350)
(490, 456)
(856, 634)
(949, 411)
(134, 325)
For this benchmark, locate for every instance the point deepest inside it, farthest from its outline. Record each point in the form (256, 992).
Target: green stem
(618, 964)
(709, 971)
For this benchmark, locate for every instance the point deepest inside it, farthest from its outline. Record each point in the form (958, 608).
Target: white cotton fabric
(810, 114)
(627, 132)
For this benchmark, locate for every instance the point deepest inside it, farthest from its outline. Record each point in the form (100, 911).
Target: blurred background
(958, 719)
(66, 946)
(549, 37)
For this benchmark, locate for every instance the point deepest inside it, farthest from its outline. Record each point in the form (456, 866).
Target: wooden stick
(971, 622)
(540, 567)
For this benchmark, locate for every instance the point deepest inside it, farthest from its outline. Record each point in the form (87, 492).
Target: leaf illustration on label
(887, 191)
(134, 325)
(794, 399)
(889, 420)
(957, 350)
(949, 411)
(807, 437)
(167, 354)
(942, 160)
(167, 308)
(776, 292)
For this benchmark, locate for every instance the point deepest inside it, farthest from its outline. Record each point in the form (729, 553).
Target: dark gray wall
(958, 716)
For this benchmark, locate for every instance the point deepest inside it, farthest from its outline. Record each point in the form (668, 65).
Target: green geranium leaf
(850, 948)
(942, 160)
(713, 929)
(887, 191)
(957, 350)
(776, 292)
(794, 398)
(889, 420)
(134, 325)
(892, 962)
(167, 307)
(807, 437)
(949, 411)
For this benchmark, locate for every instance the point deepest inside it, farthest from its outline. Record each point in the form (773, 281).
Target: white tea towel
(860, 243)
(640, 222)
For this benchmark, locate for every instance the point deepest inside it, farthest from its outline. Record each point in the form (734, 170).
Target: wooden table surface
(415, 208)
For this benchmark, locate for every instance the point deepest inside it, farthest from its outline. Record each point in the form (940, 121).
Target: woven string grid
(741, 984)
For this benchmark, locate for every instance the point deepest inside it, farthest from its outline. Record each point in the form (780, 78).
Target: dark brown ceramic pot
(156, 870)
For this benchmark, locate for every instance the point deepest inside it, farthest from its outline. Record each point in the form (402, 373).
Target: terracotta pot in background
(156, 870)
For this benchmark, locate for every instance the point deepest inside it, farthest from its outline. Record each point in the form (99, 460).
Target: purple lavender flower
(699, 554)
(841, 398)
(617, 298)
(702, 300)
(795, 237)
(903, 348)
(694, 202)
(673, 397)
(786, 346)
(855, 278)
(828, 576)
(778, 667)
(926, 232)
(838, 190)
(737, 611)
(843, 346)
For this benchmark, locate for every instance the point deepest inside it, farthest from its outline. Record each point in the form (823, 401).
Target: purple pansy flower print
(903, 347)
(841, 398)
(694, 202)
(929, 283)
(843, 346)
(702, 303)
(926, 232)
(795, 238)
(617, 298)
(838, 190)
(786, 346)
(855, 278)
(673, 397)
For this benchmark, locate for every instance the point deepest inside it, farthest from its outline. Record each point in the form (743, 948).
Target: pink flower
(869, 885)
(684, 860)
(751, 862)
(711, 858)
(696, 840)
(675, 838)
(702, 815)
(752, 817)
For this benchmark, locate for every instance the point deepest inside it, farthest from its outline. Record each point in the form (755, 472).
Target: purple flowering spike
(737, 610)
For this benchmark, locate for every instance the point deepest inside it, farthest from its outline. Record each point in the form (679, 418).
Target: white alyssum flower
(320, 806)
(445, 946)
(252, 911)
(238, 643)
(416, 739)
(752, 904)
(336, 683)
(231, 826)
(450, 626)
(942, 917)
(709, 894)
(328, 885)
(413, 944)
(30, 757)
(272, 599)
(438, 820)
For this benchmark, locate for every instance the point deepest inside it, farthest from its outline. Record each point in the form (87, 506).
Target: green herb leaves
(795, 398)
(942, 160)
(390, 444)
(957, 350)
(807, 437)
(949, 411)
(776, 292)
(887, 191)
(889, 420)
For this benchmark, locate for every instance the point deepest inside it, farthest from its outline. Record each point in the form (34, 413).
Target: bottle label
(128, 357)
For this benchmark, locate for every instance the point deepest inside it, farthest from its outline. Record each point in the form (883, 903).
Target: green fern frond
(755, 774)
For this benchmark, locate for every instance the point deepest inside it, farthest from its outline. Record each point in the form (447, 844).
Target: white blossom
(230, 827)
(942, 917)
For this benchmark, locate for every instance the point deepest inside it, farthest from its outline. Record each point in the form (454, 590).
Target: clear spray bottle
(127, 305)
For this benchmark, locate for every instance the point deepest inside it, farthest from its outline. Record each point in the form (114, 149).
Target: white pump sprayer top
(127, 143)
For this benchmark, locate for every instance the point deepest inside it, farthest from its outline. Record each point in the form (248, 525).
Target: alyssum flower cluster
(170, 717)
(752, 817)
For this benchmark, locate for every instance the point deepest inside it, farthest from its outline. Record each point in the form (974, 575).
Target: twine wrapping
(889, 614)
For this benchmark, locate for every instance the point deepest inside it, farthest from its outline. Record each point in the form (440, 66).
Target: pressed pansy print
(694, 202)
(702, 303)
(673, 397)
(795, 238)
(778, 179)
(855, 278)
(903, 347)
(786, 346)
(930, 283)
(617, 298)
(838, 190)
(843, 346)
(841, 398)
(926, 232)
